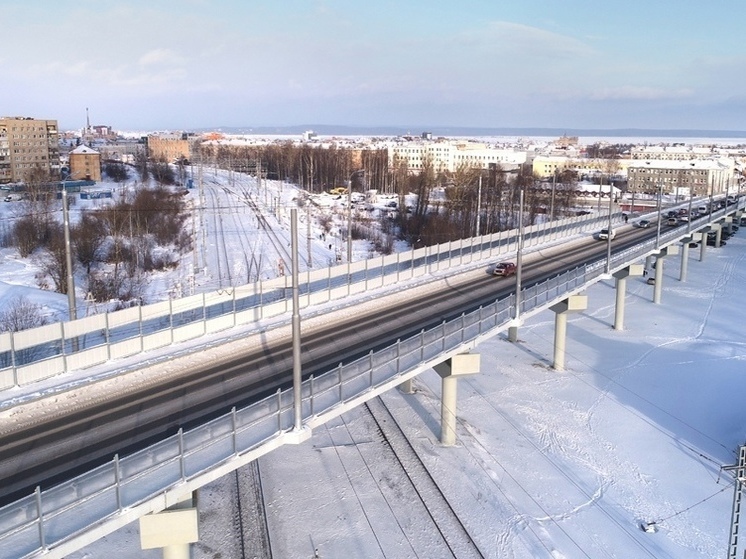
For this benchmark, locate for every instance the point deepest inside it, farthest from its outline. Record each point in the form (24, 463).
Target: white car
(606, 234)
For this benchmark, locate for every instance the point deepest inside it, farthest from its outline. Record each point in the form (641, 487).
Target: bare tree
(89, 237)
(52, 261)
(21, 314)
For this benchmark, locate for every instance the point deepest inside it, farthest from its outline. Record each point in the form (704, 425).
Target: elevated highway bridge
(138, 448)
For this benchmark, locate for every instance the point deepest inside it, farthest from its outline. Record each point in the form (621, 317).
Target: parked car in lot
(606, 234)
(504, 269)
(643, 224)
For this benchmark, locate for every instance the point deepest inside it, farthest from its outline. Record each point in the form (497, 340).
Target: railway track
(423, 487)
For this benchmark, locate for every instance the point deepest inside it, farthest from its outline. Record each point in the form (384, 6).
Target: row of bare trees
(116, 245)
(316, 169)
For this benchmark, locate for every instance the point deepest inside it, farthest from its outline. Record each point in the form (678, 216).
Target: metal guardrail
(38, 524)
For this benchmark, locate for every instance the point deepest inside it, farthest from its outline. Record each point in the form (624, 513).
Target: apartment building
(449, 155)
(546, 166)
(676, 152)
(172, 147)
(698, 177)
(28, 145)
(85, 164)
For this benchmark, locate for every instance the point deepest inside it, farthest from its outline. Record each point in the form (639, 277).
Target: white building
(451, 155)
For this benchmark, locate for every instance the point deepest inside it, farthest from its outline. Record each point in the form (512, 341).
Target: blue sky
(188, 64)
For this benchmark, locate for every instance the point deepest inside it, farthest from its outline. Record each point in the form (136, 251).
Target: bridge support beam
(621, 291)
(574, 303)
(648, 263)
(728, 224)
(406, 387)
(684, 257)
(670, 250)
(173, 529)
(718, 234)
(449, 371)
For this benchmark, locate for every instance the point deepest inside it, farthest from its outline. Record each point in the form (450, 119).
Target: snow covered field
(548, 464)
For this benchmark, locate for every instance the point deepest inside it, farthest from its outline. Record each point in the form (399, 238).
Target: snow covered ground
(547, 464)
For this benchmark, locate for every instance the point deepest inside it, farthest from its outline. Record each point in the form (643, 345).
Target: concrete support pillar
(658, 286)
(450, 370)
(621, 291)
(173, 529)
(728, 224)
(513, 334)
(684, 257)
(574, 303)
(648, 263)
(406, 387)
(718, 236)
(703, 244)
(670, 250)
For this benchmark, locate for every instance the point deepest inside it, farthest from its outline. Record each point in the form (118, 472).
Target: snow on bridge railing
(36, 354)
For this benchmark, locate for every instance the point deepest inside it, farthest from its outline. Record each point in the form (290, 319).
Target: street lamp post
(479, 203)
(658, 231)
(68, 254)
(608, 240)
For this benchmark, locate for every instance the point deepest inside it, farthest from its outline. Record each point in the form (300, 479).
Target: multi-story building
(85, 164)
(696, 177)
(172, 147)
(546, 166)
(27, 146)
(449, 156)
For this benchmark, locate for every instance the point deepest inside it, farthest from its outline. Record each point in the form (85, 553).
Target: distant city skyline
(417, 64)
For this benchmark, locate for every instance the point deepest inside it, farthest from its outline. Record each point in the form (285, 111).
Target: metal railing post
(182, 465)
(40, 516)
(234, 426)
(117, 482)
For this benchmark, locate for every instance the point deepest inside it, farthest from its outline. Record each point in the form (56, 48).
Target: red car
(504, 269)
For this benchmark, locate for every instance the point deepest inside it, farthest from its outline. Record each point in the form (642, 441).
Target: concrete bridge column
(513, 334)
(728, 224)
(621, 291)
(172, 529)
(574, 303)
(703, 243)
(718, 234)
(450, 370)
(670, 250)
(406, 387)
(684, 257)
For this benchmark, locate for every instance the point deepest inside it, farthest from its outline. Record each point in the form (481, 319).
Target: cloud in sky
(199, 64)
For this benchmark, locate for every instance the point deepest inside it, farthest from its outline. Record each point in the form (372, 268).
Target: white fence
(39, 353)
